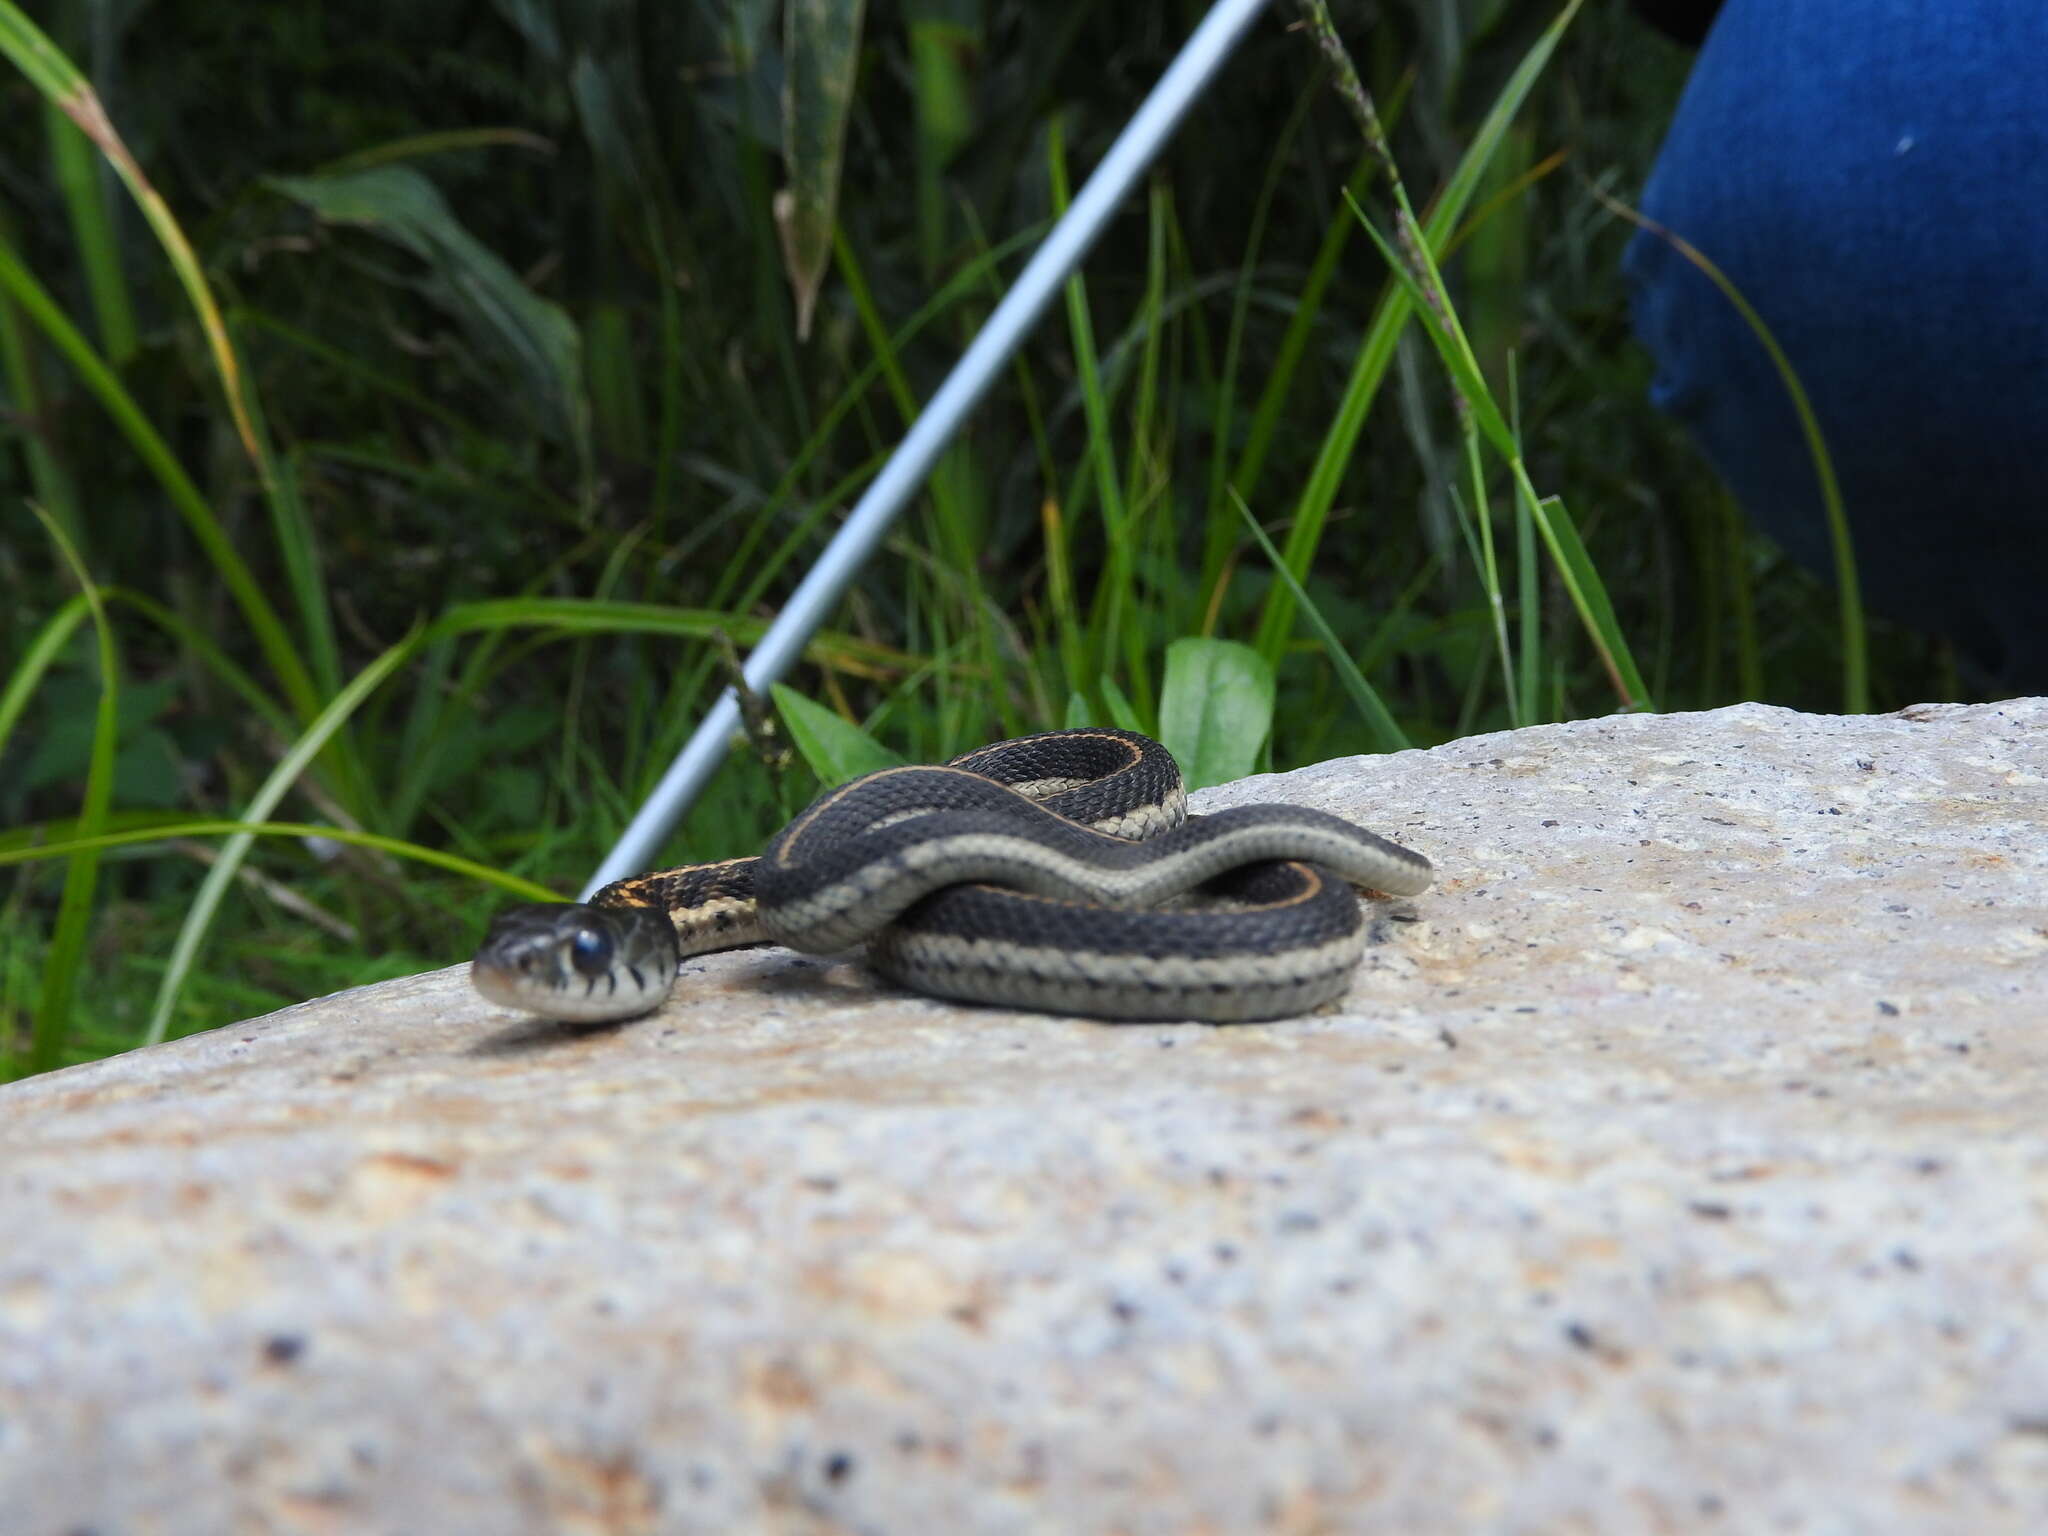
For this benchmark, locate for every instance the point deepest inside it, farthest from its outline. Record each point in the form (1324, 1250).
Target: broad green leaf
(535, 21)
(1215, 709)
(836, 749)
(823, 43)
(503, 317)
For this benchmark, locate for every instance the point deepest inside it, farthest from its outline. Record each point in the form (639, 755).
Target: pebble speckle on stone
(1679, 1162)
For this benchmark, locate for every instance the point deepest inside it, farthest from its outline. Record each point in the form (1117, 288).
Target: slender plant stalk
(1385, 728)
(51, 481)
(170, 830)
(81, 871)
(44, 648)
(199, 917)
(278, 648)
(77, 172)
(1105, 619)
(67, 89)
(1408, 258)
(1848, 586)
(1376, 352)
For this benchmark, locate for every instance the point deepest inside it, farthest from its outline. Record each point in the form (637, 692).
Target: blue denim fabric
(1873, 176)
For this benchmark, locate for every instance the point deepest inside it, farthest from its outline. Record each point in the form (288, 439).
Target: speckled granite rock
(1683, 1167)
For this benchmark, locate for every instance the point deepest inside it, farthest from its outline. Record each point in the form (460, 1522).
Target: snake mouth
(515, 988)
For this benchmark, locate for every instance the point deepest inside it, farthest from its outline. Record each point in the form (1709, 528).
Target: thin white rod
(1184, 81)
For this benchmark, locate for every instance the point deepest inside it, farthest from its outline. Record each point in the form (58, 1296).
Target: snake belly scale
(1058, 872)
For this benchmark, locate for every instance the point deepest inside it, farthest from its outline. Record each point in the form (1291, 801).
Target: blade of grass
(1312, 510)
(1855, 635)
(78, 174)
(1415, 270)
(278, 649)
(744, 569)
(35, 661)
(81, 871)
(944, 37)
(952, 486)
(572, 615)
(1432, 309)
(1069, 634)
(199, 917)
(1220, 525)
(164, 832)
(1587, 591)
(1749, 668)
(67, 89)
(33, 418)
(1478, 522)
(1378, 717)
(1581, 579)
(1113, 588)
(445, 142)
(1529, 608)
(1301, 325)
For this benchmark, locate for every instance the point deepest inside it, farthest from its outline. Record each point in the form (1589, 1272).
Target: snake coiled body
(1057, 872)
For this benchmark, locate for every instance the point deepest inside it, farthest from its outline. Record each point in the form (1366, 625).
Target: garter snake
(1058, 872)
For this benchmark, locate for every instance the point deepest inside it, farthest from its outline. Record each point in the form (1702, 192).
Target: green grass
(405, 463)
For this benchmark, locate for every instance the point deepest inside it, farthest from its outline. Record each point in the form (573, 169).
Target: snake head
(581, 964)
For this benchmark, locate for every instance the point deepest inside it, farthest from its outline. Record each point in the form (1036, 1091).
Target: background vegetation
(405, 409)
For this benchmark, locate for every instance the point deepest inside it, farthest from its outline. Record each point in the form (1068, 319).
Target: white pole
(1184, 81)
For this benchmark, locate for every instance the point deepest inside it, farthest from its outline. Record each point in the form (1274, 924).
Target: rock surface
(1684, 1166)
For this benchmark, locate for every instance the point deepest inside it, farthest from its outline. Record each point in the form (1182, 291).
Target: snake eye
(591, 951)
